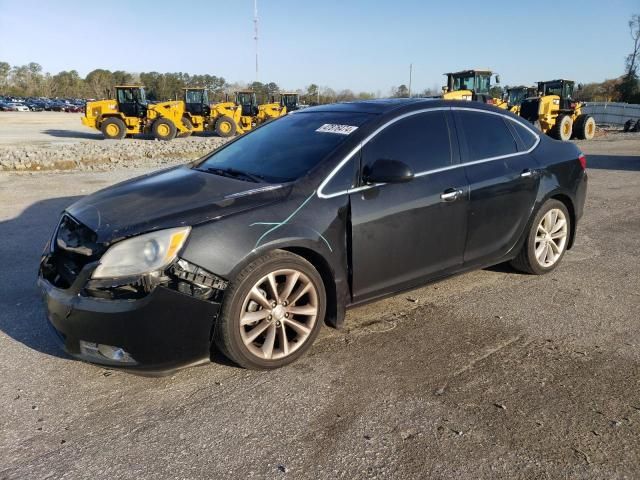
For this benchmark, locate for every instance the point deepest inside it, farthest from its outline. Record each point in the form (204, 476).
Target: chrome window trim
(356, 149)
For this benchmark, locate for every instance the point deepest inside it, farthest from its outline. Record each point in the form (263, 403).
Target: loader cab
(516, 95)
(132, 101)
(478, 82)
(561, 88)
(248, 103)
(290, 101)
(196, 101)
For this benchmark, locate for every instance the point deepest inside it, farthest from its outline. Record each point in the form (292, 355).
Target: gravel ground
(491, 374)
(33, 141)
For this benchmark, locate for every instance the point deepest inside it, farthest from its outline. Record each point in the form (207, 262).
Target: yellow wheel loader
(231, 118)
(471, 85)
(556, 113)
(130, 113)
(516, 95)
(290, 100)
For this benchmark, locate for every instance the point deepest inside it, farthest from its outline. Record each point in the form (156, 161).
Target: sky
(362, 45)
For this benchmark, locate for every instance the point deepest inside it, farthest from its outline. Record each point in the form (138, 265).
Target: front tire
(113, 128)
(164, 129)
(563, 128)
(188, 125)
(547, 240)
(272, 312)
(225, 127)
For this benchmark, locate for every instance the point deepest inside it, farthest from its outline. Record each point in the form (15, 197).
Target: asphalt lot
(491, 374)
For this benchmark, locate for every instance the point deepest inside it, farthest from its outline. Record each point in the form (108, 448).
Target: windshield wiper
(233, 173)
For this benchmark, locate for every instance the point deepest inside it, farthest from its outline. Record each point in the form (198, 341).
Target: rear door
(405, 232)
(503, 179)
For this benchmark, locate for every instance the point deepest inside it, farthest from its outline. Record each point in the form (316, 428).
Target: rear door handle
(451, 194)
(527, 173)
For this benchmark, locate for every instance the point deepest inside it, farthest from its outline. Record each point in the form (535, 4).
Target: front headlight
(142, 254)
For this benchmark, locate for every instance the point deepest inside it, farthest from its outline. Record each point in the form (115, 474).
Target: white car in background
(18, 107)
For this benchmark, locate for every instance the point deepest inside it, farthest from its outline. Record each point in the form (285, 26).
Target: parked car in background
(17, 107)
(249, 250)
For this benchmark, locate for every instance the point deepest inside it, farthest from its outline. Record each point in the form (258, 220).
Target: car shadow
(504, 268)
(614, 162)
(22, 316)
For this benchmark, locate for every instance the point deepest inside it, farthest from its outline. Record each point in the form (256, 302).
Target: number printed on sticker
(339, 129)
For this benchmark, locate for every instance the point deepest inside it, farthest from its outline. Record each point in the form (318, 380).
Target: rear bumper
(161, 332)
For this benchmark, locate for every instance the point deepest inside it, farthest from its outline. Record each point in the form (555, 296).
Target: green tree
(99, 83)
(312, 94)
(5, 68)
(629, 90)
(67, 84)
(401, 92)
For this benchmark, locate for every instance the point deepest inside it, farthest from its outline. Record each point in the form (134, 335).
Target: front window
(463, 83)
(195, 96)
(483, 83)
(285, 149)
(246, 98)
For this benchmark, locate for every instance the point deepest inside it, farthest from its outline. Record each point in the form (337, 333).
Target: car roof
(388, 105)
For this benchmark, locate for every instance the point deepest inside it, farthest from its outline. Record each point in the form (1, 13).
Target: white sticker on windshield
(339, 129)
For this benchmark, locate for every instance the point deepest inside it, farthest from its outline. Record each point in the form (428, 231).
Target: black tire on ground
(526, 260)
(187, 123)
(225, 126)
(164, 129)
(628, 125)
(227, 335)
(636, 128)
(563, 128)
(113, 128)
(584, 128)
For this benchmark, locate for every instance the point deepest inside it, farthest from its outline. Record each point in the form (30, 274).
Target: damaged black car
(249, 250)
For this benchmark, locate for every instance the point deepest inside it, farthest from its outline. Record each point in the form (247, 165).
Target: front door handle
(451, 194)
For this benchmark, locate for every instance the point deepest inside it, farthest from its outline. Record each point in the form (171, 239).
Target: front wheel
(547, 240)
(164, 129)
(272, 312)
(563, 128)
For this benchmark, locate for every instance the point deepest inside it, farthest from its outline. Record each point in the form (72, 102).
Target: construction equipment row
(549, 106)
(130, 113)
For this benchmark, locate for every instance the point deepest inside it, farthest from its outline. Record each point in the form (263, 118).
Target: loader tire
(584, 128)
(187, 123)
(113, 128)
(563, 128)
(164, 129)
(628, 126)
(225, 126)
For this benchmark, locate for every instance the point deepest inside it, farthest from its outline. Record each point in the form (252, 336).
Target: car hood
(169, 198)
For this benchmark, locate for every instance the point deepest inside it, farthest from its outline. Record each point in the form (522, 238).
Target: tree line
(31, 81)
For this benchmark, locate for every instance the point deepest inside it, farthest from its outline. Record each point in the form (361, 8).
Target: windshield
(285, 149)
(195, 96)
(516, 96)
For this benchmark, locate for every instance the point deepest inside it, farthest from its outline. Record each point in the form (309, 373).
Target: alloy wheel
(278, 314)
(551, 237)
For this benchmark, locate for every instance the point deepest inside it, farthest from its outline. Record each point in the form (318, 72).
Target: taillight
(583, 161)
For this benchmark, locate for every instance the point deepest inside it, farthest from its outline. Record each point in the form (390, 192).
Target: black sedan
(252, 248)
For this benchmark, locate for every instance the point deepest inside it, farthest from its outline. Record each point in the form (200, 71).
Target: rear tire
(628, 125)
(187, 123)
(164, 129)
(584, 127)
(225, 126)
(113, 128)
(563, 128)
(547, 240)
(261, 329)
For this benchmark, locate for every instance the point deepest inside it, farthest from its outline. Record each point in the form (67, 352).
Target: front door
(404, 233)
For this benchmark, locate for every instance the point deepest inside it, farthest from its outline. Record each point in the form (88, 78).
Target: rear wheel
(188, 125)
(225, 126)
(546, 241)
(628, 125)
(164, 129)
(584, 127)
(272, 312)
(113, 128)
(563, 128)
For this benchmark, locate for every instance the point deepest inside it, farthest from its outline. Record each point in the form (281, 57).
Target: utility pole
(255, 31)
(410, 75)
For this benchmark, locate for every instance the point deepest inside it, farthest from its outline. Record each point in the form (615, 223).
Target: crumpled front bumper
(160, 332)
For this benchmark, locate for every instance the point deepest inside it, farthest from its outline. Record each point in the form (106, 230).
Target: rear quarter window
(526, 136)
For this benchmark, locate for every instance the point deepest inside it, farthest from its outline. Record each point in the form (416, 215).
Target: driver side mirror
(497, 78)
(387, 171)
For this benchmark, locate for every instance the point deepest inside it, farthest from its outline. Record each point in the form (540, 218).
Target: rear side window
(528, 138)
(421, 141)
(487, 135)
